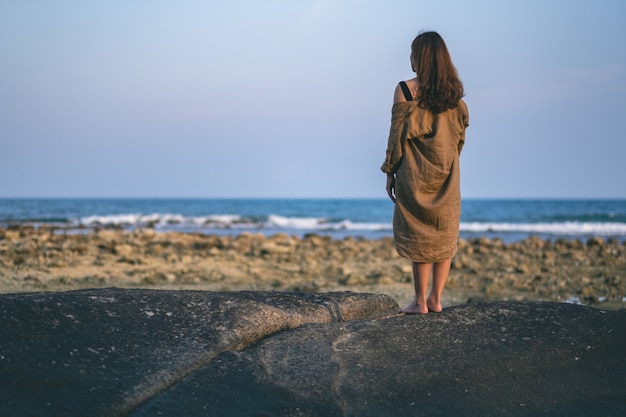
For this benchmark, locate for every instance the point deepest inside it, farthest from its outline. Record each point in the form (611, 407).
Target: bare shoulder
(398, 95)
(414, 86)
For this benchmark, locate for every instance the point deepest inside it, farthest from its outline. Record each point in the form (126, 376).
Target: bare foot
(435, 307)
(414, 308)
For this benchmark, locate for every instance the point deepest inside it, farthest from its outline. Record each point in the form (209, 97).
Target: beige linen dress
(423, 151)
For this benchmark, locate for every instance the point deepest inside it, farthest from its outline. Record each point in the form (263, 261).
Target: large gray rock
(172, 353)
(104, 352)
(497, 359)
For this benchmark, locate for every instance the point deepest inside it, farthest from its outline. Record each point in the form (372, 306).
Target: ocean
(507, 219)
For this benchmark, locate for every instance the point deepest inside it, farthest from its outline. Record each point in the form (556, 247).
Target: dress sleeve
(465, 123)
(397, 136)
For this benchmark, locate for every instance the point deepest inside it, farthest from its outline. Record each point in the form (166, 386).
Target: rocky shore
(47, 259)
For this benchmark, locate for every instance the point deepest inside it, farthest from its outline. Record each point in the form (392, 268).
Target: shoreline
(506, 236)
(485, 269)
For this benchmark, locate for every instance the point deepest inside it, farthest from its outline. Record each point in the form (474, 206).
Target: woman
(427, 133)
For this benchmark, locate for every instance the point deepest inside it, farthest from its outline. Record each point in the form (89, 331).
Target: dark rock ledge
(117, 352)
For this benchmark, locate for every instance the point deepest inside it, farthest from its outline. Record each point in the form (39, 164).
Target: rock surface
(116, 352)
(104, 352)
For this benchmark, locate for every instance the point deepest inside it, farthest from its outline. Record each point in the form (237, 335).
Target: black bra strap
(406, 91)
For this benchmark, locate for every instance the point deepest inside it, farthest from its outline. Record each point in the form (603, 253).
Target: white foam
(348, 225)
(320, 223)
(565, 228)
(225, 219)
(273, 221)
(133, 219)
(307, 223)
(110, 220)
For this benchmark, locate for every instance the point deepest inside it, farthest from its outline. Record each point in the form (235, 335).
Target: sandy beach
(45, 259)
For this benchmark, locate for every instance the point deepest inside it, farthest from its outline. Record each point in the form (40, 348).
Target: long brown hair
(440, 88)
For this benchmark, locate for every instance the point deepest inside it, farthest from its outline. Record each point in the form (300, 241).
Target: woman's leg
(440, 277)
(421, 276)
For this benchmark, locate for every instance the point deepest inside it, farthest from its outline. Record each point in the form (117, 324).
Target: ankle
(432, 298)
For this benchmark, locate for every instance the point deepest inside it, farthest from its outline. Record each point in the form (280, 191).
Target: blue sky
(292, 98)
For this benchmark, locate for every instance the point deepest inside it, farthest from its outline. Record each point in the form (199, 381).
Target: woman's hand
(391, 186)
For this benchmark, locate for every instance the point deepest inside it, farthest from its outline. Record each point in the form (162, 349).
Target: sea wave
(562, 228)
(158, 219)
(235, 223)
(228, 221)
